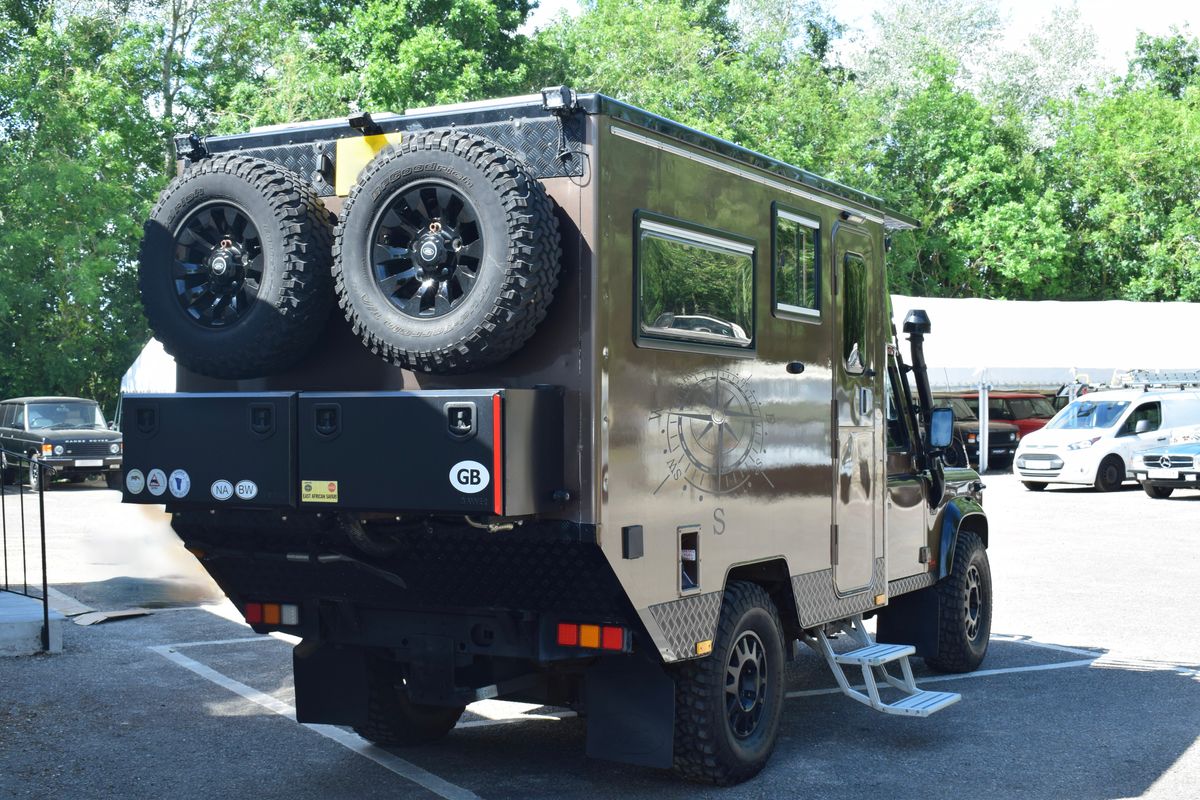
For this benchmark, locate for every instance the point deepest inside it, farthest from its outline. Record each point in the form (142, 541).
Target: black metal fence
(14, 468)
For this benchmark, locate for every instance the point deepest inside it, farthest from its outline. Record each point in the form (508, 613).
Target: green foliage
(1030, 179)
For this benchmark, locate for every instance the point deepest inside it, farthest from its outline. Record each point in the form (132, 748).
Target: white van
(1093, 440)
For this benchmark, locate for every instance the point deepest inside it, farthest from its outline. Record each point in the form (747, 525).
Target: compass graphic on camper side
(714, 437)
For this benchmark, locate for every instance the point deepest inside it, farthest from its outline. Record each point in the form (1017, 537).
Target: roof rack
(1147, 379)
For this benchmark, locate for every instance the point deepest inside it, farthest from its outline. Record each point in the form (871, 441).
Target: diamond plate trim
(911, 584)
(684, 622)
(312, 161)
(817, 601)
(537, 144)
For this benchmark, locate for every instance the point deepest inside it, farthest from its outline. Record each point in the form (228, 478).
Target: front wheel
(1158, 492)
(1110, 474)
(964, 600)
(1034, 486)
(394, 719)
(956, 455)
(35, 476)
(113, 480)
(728, 705)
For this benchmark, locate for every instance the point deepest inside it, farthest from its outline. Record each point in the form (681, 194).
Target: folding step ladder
(873, 658)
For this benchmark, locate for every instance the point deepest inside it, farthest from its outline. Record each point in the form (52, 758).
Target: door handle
(795, 367)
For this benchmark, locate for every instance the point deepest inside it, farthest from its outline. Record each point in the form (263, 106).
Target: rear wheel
(1158, 492)
(1033, 486)
(964, 608)
(1110, 474)
(393, 719)
(728, 705)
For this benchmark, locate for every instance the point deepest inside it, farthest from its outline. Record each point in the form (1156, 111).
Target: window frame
(787, 310)
(863, 353)
(693, 235)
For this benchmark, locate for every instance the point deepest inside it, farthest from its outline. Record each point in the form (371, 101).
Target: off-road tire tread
(695, 755)
(531, 265)
(306, 298)
(386, 724)
(953, 655)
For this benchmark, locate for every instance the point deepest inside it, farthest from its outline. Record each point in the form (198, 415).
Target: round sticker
(247, 490)
(469, 477)
(135, 481)
(156, 482)
(180, 483)
(222, 490)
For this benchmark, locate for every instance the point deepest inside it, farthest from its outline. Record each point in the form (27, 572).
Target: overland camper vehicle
(610, 415)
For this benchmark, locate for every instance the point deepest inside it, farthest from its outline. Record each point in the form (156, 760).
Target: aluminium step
(921, 704)
(876, 655)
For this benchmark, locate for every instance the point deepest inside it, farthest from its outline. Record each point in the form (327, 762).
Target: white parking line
(383, 758)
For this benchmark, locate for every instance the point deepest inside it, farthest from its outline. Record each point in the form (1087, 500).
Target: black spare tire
(235, 267)
(446, 257)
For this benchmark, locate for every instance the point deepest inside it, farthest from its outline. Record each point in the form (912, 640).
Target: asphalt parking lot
(1091, 688)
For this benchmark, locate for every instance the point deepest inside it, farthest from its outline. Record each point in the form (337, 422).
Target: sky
(1116, 22)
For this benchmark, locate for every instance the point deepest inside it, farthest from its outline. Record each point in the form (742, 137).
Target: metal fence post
(45, 585)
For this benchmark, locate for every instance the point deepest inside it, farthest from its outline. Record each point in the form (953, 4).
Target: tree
(1172, 63)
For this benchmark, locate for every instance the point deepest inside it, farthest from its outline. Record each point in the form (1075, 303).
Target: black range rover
(68, 433)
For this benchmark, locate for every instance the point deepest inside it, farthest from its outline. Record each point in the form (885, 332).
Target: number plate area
(1163, 474)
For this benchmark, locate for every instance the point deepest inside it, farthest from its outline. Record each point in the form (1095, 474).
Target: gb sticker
(469, 477)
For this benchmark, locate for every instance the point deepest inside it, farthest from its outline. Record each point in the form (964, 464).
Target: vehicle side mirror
(941, 428)
(1143, 426)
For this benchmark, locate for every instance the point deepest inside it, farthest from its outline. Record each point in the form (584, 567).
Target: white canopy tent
(152, 372)
(1014, 344)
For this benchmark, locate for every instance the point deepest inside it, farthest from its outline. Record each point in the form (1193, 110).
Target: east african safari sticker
(318, 491)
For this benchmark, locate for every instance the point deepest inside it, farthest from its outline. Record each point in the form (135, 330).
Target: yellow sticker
(704, 648)
(318, 491)
(354, 153)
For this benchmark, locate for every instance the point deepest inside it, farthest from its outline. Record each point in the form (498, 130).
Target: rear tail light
(287, 614)
(593, 637)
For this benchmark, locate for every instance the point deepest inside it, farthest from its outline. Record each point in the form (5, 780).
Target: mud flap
(630, 704)
(911, 619)
(331, 684)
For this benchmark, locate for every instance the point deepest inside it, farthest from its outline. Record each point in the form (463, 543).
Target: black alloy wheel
(428, 249)
(746, 680)
(218, 264)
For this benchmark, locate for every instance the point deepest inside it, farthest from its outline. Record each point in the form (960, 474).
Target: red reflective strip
(497, 458)
(613, 638)
(568, 634)
(253, 613)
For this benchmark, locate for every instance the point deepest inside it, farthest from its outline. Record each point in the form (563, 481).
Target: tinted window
(64, 415)
(6, 415)
(1031, 408)
(1089, 414)
(961, 408)
(854, 313)
(695, 285)
(18, 420)
(796, 277)
(897, 433)
(1151, 412)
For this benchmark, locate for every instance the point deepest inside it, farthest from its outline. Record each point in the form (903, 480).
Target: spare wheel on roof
(234, 267)
(446, 257)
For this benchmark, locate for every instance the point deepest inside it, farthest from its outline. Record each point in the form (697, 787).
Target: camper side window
(796, 280)
(854, 313)
(694, 285)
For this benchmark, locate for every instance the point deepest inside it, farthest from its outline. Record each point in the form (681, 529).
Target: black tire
(34, 477)
(393, 719)
(1110, 474)
(113, 480)
(1034, 486)
(956, 455)
(717, 739)
(1158, 492)
(964, 599)
(438, 300)
(270, 306)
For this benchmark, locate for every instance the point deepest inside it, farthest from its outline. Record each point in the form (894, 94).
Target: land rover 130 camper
(609, 414)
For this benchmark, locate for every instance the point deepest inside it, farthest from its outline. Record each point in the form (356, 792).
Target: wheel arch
(960, 514)
(773, 576)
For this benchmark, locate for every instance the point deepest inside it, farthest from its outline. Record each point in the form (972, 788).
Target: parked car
(66, 433)
(1002, 436)
(1029, 411)
(1161, 471)
(1094, 440)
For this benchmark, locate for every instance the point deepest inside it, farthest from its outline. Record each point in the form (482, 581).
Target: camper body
(707, 450)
